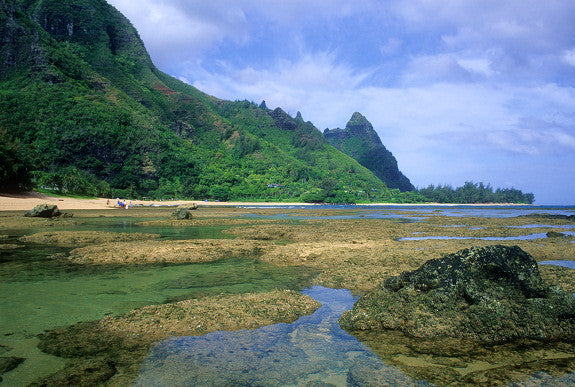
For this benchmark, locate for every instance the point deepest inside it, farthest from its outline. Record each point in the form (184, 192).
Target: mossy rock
(491, 294)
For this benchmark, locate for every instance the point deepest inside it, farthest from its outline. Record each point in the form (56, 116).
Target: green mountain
(83, 109)
(360, 141)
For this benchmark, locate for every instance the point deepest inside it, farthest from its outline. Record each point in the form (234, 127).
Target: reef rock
(184, 212)
(44, 211)
(492, 294)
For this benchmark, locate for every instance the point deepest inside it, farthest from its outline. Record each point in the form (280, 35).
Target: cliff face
(360, 141)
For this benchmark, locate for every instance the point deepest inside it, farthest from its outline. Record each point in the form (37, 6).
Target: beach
(28, 200)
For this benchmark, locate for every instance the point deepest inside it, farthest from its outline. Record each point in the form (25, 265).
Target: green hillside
(360, 141)
(84, 110)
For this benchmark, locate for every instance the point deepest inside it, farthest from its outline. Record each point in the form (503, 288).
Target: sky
(458, 90)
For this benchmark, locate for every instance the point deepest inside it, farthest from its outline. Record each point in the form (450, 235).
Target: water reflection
(311, 351)
(512, 238)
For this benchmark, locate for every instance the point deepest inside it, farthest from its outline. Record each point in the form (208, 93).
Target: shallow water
(569, 264)
(40, 293)
(314, 350)
(513, 238)
(422, 211)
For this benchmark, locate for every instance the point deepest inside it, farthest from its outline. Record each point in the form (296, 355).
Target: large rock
(184, 212)
(44, 211)
(492, 294)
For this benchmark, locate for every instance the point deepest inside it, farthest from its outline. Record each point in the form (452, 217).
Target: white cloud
(180, 31)
(287, 84)
(569, 57)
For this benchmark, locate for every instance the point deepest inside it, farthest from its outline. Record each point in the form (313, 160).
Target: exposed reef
(493, 294)
(110, 350)
(73, 238)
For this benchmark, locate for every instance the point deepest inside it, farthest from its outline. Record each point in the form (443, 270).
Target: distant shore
(27, 201)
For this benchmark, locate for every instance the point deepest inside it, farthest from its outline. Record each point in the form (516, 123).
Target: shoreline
(28, 200)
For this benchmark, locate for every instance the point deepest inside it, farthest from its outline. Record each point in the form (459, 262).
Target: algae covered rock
(491, 294)
(44, 211)
(184, 212)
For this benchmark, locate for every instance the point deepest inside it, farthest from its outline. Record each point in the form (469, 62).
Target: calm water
(314, 350)
(513, 238)
(423, 211)
(40, 293)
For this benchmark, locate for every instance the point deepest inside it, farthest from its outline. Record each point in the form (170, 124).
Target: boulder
(493, 294)
(555, 234)
(8, 363)
(44, 211)
(184, 212)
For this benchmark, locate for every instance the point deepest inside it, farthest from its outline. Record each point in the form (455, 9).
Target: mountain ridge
(360, 140)
(84, 109)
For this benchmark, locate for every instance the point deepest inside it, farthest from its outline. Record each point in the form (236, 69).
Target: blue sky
(457, 90)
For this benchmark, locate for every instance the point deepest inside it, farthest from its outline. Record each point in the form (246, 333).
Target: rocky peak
(360, 141)
(359, 126)
(283, 120)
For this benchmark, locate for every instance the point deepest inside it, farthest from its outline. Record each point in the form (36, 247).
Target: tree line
(471, 193)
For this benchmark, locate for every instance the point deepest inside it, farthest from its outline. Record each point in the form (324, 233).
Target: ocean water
(416, 212)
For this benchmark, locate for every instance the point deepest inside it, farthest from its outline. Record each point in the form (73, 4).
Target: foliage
(14, 174)
(475, 193)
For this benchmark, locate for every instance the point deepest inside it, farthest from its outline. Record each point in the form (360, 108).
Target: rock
(44, 211)
(555, 234)
(89, 372)
(8, 363)
(492, 294)
(184, 212)
(549, 216)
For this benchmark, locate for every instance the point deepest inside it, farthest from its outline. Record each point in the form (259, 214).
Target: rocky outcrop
(282, 120)
(492, 294)
(360, 141)
(8, 363)
(549, 216)
(44, 211)
(184, 212)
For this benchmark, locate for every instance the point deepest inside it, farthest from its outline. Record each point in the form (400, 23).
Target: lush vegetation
(360, 141)
(475, 193)
(83, 110)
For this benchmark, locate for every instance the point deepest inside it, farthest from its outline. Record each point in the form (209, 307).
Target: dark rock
(282, 120)
(91, 372)
(184, 212)
(555, 234)
(570, 218)
(44, 211)
(8, 363)
(491, 294)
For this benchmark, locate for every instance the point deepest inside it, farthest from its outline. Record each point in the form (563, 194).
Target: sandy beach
(26, 201)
